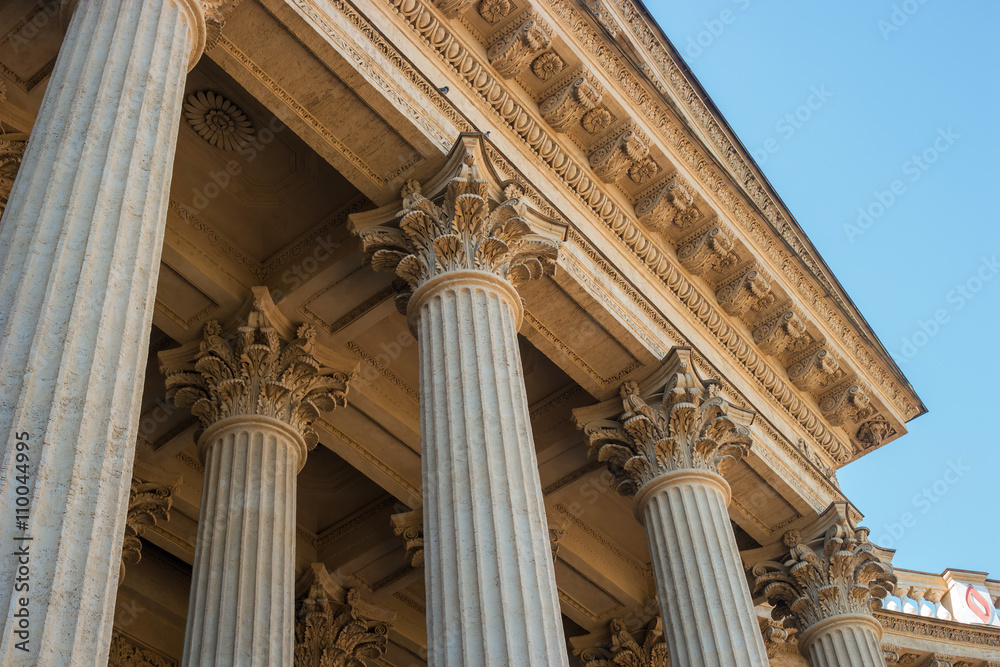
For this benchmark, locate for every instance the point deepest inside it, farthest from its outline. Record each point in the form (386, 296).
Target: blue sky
(894, 112)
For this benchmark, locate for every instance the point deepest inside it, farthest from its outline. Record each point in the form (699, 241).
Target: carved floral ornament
(218, 121)
(259, 374)
(464, 232)
(833, 570)
(679, 422)
(624, 650)
(148, 504)
(335, 627)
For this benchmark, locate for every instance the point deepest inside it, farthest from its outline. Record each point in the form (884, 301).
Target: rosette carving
(462, 233)
(625, 649)
(218, 121)
(682, 423)
(258, 375)
(874, 432)
(831, 572)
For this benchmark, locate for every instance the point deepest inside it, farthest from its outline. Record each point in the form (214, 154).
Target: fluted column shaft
(241, 610)
(848, 640)
(80, 247)
(708, 615)
(491, 592)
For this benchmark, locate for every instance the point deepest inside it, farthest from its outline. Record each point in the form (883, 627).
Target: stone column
(256, 401)
(80, 244)
(668, 456)
(491, 592)
(826, 585)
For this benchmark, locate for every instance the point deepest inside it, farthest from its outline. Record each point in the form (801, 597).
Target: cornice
(671, 80)
(937, 628)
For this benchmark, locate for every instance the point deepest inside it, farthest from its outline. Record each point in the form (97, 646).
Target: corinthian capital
(830, 571)
(148, 503)
(335, 627)
(465, 232)
(676, 421)
(257, 374)
(624, 647)
(12, 148)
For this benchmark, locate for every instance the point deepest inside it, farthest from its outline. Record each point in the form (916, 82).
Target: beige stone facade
(407, 332)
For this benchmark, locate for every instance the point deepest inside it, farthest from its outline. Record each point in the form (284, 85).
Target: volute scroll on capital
(828, 571)
(674, 421)
(254, 373)
(465, 219)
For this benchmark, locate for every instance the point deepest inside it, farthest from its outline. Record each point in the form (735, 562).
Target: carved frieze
(688, 425)
(782, 331)
(411, 526)
(830, 570)
(462, 233)
(623, 147)
(516, 47)
(566, 103)
(749, 289)
(258, 375)
(708, 248)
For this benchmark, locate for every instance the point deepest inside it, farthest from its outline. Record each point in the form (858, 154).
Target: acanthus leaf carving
(668, 201)
(814, 369)
(148, 504)
(462, 233)
(846, 404)
(749, 289)
(128, 652)
(831, 570)
(515, 49)
(624, 650)
(784, 331)
(623, 147)
(775, 636)
(454, 8)
(687, 425)
(336, 628)
(707, 249)
(566, 104)
(258, 375)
